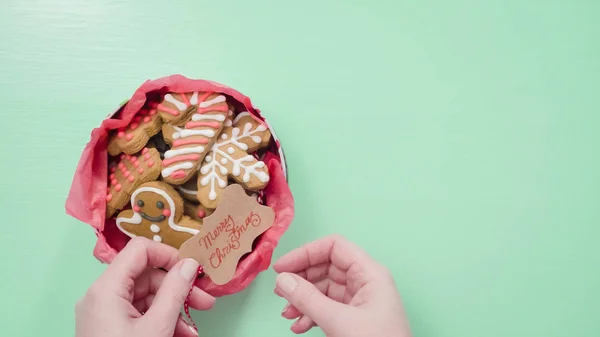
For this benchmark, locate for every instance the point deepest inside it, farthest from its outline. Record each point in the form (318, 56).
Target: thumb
(171, 295)
(309, 300)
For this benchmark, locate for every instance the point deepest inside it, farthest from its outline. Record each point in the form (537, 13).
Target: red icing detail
(134, 159)
(136, 164)
(168, 110)
(131, 179)
(140, 170)
(120, 134)
(133, 126)
(136, 208)
(137, 119)
(113, 169)
(129, 136)
(181, 142)
(118, 187)
(147, 119)
(145, 150)
(126, 174)
(166, 212)
(128, 156)
(185, 99)
(152, 112)
(179, 158)
(122, 156)
(108, 197)
(121, 165)
(201, 214)
(223, 108)
(113, 182)
(147, 156)
(178, 174)
(123, 169)
(112, 176)
(190, 125)
(150, 163)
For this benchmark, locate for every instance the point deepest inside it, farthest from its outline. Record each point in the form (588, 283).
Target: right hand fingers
(338, 251)
(308, 299)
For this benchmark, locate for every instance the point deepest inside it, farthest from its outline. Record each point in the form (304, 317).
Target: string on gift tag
(186, 304)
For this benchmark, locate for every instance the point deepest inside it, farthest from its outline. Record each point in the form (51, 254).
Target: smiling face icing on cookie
(157, 215)
(152, 206)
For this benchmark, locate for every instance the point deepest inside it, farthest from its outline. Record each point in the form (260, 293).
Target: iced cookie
(189, 189)
(126, 174)
(229, 158)
(135, 136)
(191, 141)
(158, 215)
(196, 211)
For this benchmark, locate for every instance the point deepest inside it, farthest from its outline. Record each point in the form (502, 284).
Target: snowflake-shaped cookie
(230, 157)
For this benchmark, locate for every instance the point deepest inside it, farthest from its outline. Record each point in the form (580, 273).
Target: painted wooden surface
(456, 141)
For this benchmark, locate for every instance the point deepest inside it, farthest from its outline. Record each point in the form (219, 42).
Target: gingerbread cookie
(229, 157)
(158, 215)
(196, 211)
(189, 189)
(135, 136)
(190, 142)
(126, 174)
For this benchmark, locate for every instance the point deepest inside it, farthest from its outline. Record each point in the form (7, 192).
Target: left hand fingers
(131, 262)
(198, 300)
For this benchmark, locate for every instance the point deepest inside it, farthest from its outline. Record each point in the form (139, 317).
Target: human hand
(333, 284)
(134, 298)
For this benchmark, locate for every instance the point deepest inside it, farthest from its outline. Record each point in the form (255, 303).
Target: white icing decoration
(209, 170)
(185, 150)
(240, 116)
(183, 166)
(154, 228)
(199, 117)
(229, 121)
(223, 136)
(157, 238)
(137, 218)
(194, 98)
(186, 191)
(182, 133)
(216, 100)
(180, 105)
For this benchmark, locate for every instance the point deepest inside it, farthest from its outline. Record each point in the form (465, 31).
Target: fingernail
(286, 283)
(189, 269)
(287, 306)
(193, 330)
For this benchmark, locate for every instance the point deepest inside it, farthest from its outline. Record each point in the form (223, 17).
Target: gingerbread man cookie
(229, 157)
(135, 136)
(193, 139)
(158, 215)
(126, 174)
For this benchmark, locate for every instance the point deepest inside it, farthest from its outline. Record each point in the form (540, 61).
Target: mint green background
(457, 141)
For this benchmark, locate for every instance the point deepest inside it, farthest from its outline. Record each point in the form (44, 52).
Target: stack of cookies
(170, 165)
